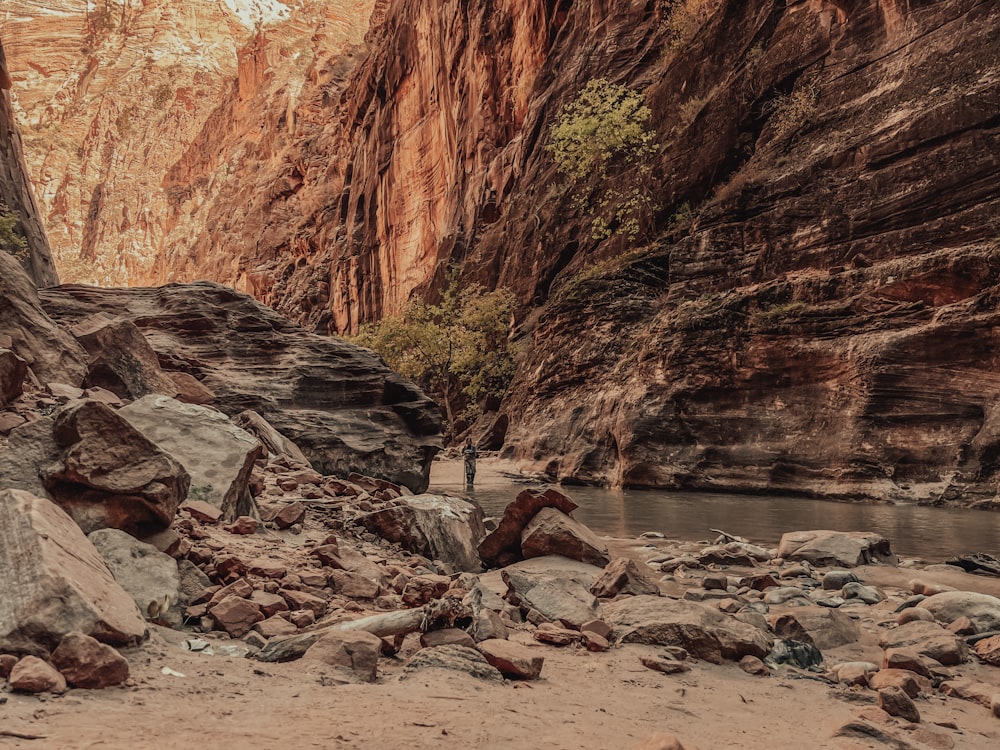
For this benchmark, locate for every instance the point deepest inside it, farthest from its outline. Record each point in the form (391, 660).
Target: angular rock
(421, 589)
(13, 371)
(895, 702)
(514, 660)
(87, 663)
(149, 576)
(288, 515)
(351, 653)
(909, 659)
(31, 449)
(455, 658)
(487, 624)
(355, 585)
(909, 682)
(121, 360)
(929, 639)
(846, 549)
(988, 649)
(274, 626)
(243, 526)
(113, 476)
(706, 633)
(202, 511)
(982, 609)
(970, 690)
(55, 582)
(446, 637)
(189, 389)
(624, 576)
(32, 675)
(276, 443)
(825, 628)
(552, 532)
(304, 600)
(265, 567)
(235, 615)
(217, 454)
(555, 598)
(270, 604)
(436, 526)
(505, 541)
(192, 582)
(854, 672)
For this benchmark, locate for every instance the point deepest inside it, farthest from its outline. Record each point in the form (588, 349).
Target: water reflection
(930, 533)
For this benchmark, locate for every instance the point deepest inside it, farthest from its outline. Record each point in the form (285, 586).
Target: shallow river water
(932, 534)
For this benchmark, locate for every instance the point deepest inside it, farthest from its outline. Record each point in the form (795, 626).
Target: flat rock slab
(453, 658)
(55, 582)
(846, 549)
(552, 532)
(217, 454)
(513, 659)
(556, 598)
(704, 632)
(436, 526)
(505, 541)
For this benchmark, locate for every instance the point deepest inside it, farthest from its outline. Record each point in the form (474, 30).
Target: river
(932, 534)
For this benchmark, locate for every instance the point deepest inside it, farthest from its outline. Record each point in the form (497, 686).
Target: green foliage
(597, 137)
(458, 350)
(10, 241)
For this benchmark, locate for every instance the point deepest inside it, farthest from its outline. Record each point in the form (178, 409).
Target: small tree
(457, 350)
(10, 241)
(600, 135)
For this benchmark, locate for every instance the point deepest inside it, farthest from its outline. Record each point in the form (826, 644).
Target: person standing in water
(469, 453)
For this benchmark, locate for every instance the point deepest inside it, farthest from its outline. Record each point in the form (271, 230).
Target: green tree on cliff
(458, 350)
(10, 241)
(601, 142)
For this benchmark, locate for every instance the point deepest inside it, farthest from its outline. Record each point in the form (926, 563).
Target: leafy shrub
(10, 241)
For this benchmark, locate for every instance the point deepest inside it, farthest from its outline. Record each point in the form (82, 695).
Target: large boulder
(13, 371)
(836, 548)
(453, 658)
(48, 349)
(625, 576)
(503, 545)
(149, 576)
(556, 598)
(351, 655)
(218, 455)
(928, 639)
(704, 632)
(552, 532)
(55, 582)
(339, 403)
(88, 663)
(112, 476)
(436, 526)
(982, 609)
(31, 451)
(121, 360)
(821, 626)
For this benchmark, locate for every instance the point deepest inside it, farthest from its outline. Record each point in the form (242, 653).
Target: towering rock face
(16, 198)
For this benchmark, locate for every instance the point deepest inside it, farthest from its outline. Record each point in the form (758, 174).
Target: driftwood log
(435, 614)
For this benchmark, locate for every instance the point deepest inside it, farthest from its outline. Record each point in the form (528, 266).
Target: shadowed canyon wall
(812, 307)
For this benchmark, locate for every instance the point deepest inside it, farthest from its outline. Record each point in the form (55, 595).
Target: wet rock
(552, 532)
(112, 475)
(13, 371)
(217, 454)
(554, 597)
(846, 549)
(149, 576)
(456, 658)
(353, 654)
(929, 639)
(624, 576)
(895, 702)
(706, 633)
(982, 610)
(513, 660)
(121, 359)
(969, 690)
(436, 526)
(55, 582)
(87, 663)
(503, 545)
(32, 675)
(826, 628)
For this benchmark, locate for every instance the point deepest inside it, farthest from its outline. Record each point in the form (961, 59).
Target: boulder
(556, 598)
(436, 526)
(846, 549)
(929, 639)
(288, 515)
(446, 637)
(454, 658)
(48, 349)
(87, 663)
(31, 450)
(121, 360)
(909, 682)
(982, 609)
(217, 454)
(149, 576)
(705, 632)
(55, 582)
(351, 654)
(276, 443)
(624, 576)
(274, 627)
(189, 389)
(235, 615)
(552, 532)
(421, 589)
(32, 675)
(113, 476)
(13, 371)
(354, 585)
(339, 403)
(503, 545)
(514, 660)
(895, 702)
(825, 628)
